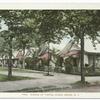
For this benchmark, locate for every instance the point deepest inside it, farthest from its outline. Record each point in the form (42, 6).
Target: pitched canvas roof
(88, 46)
(70, 49)
(43, 50)
(66, 48)
(19, 53)
(73, 48)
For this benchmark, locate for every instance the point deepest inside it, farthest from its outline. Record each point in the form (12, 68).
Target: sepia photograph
(53, 53)
(49, 51)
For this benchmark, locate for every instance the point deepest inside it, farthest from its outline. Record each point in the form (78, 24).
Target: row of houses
(71, 50)
(17, 56)
(91, 54)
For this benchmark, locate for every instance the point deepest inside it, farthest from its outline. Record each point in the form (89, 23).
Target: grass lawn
(3, 69)
(18, 70)
(38, 89)
(87, 74)
(13, 78)
(14, 69)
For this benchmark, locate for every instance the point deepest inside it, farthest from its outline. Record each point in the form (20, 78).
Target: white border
(49, 1)
(52, 5)
(68, 95)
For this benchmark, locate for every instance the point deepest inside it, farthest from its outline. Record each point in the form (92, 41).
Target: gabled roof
(19, 53)
(88, 46)
(66, 48)
(44, 49)
(75, 47)
(71, 48)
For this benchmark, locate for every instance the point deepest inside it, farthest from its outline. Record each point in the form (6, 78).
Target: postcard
(49, 49)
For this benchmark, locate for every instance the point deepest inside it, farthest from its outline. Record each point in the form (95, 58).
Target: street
(59, 80)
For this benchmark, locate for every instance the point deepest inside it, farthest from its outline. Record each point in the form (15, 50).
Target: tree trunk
(23, 60)
(48, 61)
(2, 62)
(10, 59)
(82, 59)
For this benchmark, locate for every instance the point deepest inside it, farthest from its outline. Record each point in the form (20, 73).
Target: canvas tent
(91, 56)
(71, 49)
(16, 57)
(46, 55)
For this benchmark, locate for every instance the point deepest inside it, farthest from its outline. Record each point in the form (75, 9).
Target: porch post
(93, 67)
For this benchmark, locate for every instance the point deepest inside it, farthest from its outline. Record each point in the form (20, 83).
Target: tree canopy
(32, 28)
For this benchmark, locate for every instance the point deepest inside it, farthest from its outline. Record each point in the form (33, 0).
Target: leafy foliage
(31, 28)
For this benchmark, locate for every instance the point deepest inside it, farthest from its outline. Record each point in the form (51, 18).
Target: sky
(3, 26)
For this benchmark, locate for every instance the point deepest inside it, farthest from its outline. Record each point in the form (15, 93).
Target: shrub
(30, 63)
(34, 64)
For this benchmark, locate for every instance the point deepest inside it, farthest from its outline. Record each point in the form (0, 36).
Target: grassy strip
(87, 74)
(4, 78)
(40, 89)
(3, 69)
(76, 85)
(20, 70)
(16, 70)
(35, 71)
(79, 84)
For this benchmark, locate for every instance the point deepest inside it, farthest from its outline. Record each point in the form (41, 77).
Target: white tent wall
(86, 59)
(98, 62)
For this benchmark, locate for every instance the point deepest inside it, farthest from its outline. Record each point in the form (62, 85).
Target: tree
(3, 50)
(13, 20)
(79, 24)
(28, 28)
(23, 41)
(8, 37)
(47, 27)
(51, 28)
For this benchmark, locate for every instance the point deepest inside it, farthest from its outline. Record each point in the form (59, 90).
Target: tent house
(47, 58)
(17, 56)
(72, 50)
